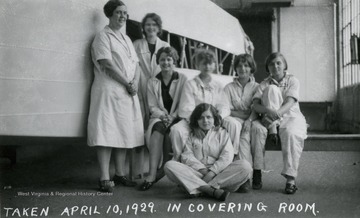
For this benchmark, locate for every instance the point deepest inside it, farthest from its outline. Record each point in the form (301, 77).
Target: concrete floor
(329, 186)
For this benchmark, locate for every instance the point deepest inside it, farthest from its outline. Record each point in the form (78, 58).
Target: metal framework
(350, 42)
(187, 58)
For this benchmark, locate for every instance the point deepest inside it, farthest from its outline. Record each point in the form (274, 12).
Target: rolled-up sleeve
(226, 156)
(101, 47)
(293, 89)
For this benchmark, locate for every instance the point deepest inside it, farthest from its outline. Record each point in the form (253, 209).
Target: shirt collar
(174, 76)
(281, 83)
(251, 80)
(108, 30)
(210, 87)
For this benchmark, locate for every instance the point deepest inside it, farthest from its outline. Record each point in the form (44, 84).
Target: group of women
(216, 135)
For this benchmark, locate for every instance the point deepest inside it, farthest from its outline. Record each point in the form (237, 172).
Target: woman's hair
(155, 18)
(169, 51)
(245, 58)
(201, 108)
(271, 57)
(207, 55)
(110, 7)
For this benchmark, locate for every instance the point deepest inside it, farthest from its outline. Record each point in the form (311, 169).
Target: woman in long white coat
(277, 99)
(115, 122)
(164, 92)
(146, 50)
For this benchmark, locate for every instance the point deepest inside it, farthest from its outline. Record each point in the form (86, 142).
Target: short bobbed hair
(245, 58)
(204, 55)
(110, 7)
(169, 51)
(155, 17)
(201, 108)
(271, 57)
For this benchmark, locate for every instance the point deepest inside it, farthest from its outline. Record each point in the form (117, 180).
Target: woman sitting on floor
(207, 161)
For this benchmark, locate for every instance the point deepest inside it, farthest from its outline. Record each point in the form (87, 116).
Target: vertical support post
(275, 31)
(183, 62)
(190, 47)
(217, 61)
(231, 71)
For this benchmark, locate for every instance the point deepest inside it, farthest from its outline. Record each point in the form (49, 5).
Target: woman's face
(276, 68)
(206, 67)
(243, 70)
(166, 62)
(119, 16)
(206, 120)
(151, 28)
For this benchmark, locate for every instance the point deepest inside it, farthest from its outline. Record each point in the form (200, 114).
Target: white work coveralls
(194, 93)
(215, 152)
(292, 130)
(240, 99)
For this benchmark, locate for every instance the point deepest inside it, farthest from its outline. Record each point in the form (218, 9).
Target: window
(350, 42)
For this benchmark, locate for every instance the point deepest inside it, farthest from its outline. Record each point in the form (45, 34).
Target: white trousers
(241, 140)
(292, 132)
(179, 133)
(230, 179)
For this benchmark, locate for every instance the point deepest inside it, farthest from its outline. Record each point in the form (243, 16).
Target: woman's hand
(167, 119)
(272, 114)
(134, 85)
(209, 176)
(170, 119)
(131, 88)
(163, 118)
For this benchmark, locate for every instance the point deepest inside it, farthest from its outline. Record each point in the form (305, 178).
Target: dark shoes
(256, 182)
(146, 185)
(123, 181)
(290, 189)
(244, 188)
(106, 186)
(160, 173)
(273, 142)
(274, 138)
(224, 196)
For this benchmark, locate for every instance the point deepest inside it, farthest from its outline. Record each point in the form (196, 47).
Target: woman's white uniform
(194, 93)
(215, 152)
(149, 69)
(240, 98)
(115, 116)
(292, 130)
